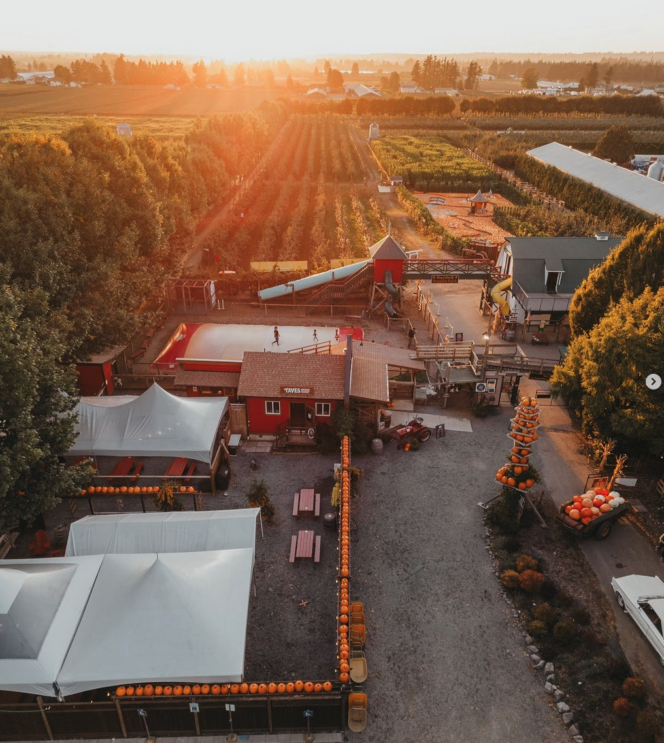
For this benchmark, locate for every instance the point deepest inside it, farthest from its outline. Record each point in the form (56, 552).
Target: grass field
(127, 100)
(164, 127)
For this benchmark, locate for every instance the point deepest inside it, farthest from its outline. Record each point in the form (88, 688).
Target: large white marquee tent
(144, 533)
(155, 424)
(123, 610)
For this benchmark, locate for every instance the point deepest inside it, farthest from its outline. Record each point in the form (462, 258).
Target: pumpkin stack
(516, 473)
(344, 562)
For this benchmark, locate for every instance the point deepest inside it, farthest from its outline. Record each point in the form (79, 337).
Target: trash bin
(330, 521)
(377, 446)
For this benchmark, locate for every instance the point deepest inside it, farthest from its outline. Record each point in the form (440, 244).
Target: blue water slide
(310, 282)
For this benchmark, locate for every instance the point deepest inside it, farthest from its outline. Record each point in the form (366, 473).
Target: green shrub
(564, 630)
(545, 613)
(507, 543)
(537, 628)
(531, 581)
(526, 562)
(510, 579)
(623, 707)
(634, 687)
(647, 722)
(581, 616)
(505, 559)
(503, 512)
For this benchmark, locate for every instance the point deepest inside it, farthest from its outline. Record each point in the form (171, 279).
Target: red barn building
(291, 392)
(388, 255)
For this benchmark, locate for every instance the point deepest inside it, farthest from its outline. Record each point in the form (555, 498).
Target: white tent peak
(154, 424)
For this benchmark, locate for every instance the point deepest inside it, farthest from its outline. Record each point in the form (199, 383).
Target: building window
(323, 409)
(552, 282)
(272, 407)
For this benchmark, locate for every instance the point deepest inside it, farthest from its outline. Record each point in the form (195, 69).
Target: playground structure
(382, 277)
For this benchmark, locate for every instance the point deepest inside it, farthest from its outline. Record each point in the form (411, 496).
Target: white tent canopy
(159, 618)
(155, 424)
(182, 531)
(41, 604)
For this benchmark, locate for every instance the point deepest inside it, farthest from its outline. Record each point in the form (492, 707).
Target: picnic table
(302, 546)
(177, 467)
(306, 503)
(122, 468)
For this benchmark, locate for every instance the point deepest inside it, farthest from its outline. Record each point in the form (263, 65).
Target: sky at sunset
(265, 29)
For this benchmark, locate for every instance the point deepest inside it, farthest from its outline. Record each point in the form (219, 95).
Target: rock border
(547, 668)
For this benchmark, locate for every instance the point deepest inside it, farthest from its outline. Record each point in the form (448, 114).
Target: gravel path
(445, 658)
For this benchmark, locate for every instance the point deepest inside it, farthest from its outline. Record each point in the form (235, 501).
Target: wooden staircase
(339, 290)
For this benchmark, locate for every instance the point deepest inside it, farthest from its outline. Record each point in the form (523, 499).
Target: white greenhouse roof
(41, 604)
(155, 424)
(633, 188)
(181, 531)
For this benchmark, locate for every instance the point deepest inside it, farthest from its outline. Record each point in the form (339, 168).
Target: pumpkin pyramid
(517, 473)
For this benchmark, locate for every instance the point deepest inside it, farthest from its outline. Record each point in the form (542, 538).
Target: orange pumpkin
(225, 688)
(253, 688)
(216, 689)
(308, 687)
(262, 688)
(327, 686)
(530, 482)
(158, 690)
(168, 691)
(186, 690)
(139, 691)
(290, 687)
(344, 677)
(177, 691)
(345, 668)
(318, 687)
(272, 688)
(345, 572)
(344, 655)
(120, 691)
(244, 688)
(235, 688)
(511, 482)
(605, 508)
(196, 688)
(299, 685)
(149, 690)
(281, 688)
(522, 486)
(575, 514)
(205, 689)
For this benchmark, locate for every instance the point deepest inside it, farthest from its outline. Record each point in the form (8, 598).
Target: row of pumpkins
(295, 686)
(593, 504)
(523, 432)
(344, 563)
(179, 690)
(93, 490)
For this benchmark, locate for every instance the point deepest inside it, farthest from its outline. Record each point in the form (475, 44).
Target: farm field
(429, 163)
(128, 100)
(455, 217)
(311, 202)
(160, 127)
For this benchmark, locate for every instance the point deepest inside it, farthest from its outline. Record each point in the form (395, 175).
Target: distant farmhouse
(316, 94)
(361, 91)
(411, 88)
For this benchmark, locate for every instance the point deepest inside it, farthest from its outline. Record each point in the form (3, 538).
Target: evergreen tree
(200, 74)
(617, 145)
(416, 73)
(335, 80)
(7, 68)
(105, 73)
(355, 69)
(394, 84)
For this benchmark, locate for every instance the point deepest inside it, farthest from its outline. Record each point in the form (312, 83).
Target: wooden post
(197, 723)
(40, 704)
(122, 723)
(269, 714)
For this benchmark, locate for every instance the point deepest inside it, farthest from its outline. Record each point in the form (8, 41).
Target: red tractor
(411, 434)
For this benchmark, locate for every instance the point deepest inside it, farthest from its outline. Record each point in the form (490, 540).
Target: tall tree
(105, 73)
(472, 76)
(38, 396)
(616, 145)
(608, 75)
(62, 74)
(416, 72)
(605, 372)
(335, 79)
(200, 74)
(7, 67)
(394, 84)
(530, 78)
(355, 69)
(238, 75)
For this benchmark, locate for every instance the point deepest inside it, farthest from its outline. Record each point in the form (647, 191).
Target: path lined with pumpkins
(343, 629)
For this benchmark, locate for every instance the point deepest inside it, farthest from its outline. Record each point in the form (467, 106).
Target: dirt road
(624, 552)
(403, 226)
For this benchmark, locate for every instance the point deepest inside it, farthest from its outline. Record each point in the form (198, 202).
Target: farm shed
(291, 391)
(316, 93)
(191, 296)
(95, 376)
(643, 193)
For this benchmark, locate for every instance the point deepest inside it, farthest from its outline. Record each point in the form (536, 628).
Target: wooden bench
(305, 545)
(293, 547)
(317, 550)
(306, 503)
(296, 506)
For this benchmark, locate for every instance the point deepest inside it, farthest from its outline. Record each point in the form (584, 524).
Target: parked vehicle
(411, 434)
(642, 596)
(600, 528)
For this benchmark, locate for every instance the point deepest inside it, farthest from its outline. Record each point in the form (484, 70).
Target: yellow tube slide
(502, 303)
